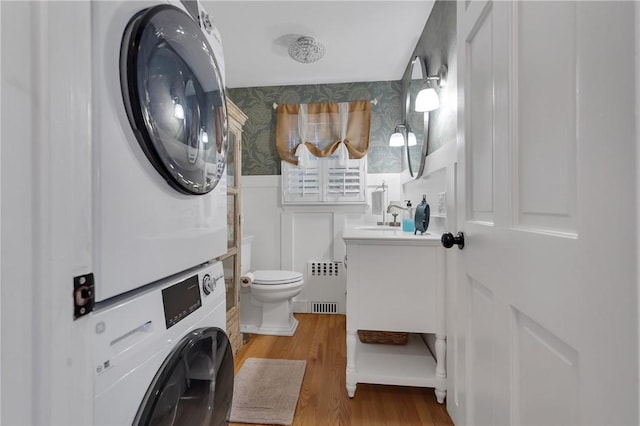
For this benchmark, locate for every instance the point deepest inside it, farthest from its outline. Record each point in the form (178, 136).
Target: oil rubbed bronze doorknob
(448, 240)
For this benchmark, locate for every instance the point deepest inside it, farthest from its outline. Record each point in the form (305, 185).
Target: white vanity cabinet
(395, 282)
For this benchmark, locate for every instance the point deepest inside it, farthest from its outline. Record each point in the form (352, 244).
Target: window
(323, 147)
(325, 180)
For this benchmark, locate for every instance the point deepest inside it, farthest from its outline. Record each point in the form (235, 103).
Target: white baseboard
(300, 306)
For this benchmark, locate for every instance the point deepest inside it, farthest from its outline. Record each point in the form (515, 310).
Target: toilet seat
(273, 278)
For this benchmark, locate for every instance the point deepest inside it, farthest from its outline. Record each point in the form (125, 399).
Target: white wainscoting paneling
(288, 237)
(261, 210)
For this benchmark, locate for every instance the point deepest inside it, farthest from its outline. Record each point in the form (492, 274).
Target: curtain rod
(373, 101)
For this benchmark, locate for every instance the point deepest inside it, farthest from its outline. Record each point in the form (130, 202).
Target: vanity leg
(351, 363)
(441, 371)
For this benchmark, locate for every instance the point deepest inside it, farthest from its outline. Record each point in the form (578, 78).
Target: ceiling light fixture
(306, 50)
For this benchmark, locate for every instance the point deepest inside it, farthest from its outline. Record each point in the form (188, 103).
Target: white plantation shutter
(345, 182)
(325, 181)
(301, 185)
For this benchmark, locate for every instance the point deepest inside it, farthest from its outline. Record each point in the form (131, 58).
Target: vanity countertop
(387, 234)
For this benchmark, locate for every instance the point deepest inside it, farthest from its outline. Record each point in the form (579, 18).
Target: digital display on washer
(180, 300)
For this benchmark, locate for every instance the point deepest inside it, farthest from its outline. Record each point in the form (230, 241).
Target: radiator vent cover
(324, 269)
(325, 286)
(324, 308)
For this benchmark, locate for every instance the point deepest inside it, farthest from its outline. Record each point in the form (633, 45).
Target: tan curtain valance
(322, 127)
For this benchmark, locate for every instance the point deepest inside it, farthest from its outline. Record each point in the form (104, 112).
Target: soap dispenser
(408, 219)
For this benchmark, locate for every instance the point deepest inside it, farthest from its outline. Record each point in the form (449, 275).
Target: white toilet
(265, 304)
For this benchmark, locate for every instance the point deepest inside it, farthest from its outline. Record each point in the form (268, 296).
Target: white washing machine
(162, 357)
(159, 142)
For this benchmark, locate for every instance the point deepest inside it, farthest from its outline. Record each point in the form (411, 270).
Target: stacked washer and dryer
(161, 355)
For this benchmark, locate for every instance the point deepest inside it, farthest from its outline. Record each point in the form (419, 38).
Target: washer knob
(207, 285)
(208, 26)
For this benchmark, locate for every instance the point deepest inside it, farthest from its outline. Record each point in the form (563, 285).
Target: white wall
(261, 209)
(440, 176)
(438, 180)
(288, 237)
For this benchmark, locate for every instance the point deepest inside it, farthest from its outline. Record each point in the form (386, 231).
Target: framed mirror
(416, 122)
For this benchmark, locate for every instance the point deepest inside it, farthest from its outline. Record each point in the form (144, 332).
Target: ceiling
(364, 40)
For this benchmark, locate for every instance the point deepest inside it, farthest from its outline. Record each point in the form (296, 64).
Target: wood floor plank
(321, 341)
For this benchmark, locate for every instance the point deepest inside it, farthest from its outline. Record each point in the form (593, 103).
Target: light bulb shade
(178, 111)
(306, 50)
(396, 139)
(427, 100)
(412, 139)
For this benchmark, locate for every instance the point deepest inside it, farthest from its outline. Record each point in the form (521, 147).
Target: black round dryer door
(174, 97)
(194, 385)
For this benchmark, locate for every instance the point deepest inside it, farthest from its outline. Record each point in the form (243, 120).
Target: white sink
(379, 228)
(385, 228)
(389, 234)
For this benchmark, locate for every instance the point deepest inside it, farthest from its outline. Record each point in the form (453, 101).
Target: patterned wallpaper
(259, 156)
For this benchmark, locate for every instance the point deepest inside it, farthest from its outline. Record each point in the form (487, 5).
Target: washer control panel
(209, 283)
(180, 300)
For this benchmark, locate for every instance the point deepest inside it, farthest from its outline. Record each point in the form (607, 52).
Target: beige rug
(266, 391)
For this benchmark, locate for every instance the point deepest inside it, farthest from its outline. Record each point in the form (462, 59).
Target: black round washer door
(174, 97)
(194, 385)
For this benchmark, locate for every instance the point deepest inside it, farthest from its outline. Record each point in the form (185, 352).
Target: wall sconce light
(411, 138)
(397, 138)
(178, 109)
(427, 99)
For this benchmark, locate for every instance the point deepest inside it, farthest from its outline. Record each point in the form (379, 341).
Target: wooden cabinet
(395, 283)
(231, 260)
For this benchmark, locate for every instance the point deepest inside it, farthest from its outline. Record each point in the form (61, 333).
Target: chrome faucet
(396, 206)
(395, 215)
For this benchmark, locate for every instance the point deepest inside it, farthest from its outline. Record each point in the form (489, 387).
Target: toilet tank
(245, 254)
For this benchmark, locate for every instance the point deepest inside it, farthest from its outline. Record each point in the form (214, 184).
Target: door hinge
(83, 295)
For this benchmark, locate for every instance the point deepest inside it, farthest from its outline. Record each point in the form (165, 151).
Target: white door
(546, 330)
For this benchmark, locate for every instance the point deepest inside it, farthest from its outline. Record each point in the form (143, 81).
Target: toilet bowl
(265, 303)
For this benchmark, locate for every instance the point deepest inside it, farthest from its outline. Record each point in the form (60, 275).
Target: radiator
(325, 287)
(324, 269)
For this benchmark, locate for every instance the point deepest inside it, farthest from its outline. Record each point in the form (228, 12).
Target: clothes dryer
(162, 357)
(159, 142)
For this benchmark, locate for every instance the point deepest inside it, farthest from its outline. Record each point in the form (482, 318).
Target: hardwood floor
(321, 341)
